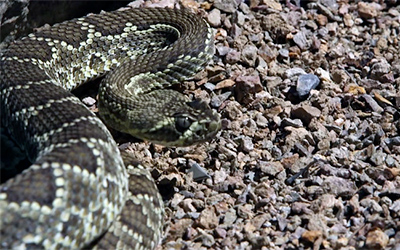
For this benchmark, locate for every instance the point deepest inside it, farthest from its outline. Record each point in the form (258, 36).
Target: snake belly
(78, 192)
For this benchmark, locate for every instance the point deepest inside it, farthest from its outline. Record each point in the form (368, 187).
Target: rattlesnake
(78, 187)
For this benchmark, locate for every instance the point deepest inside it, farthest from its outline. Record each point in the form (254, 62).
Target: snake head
(164, 117)
(198, 125)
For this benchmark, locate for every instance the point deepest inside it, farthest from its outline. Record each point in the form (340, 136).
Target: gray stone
(294, 72)
(214, 17)
(301, 40)
(233, 56)
(249, 55)
(372, 103)
(305, 83)
(199, 173)
(228, 6)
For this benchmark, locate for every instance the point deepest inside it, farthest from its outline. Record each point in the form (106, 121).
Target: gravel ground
(309, 153)
(308, 156)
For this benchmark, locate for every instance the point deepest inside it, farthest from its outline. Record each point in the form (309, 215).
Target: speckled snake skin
(78, 192)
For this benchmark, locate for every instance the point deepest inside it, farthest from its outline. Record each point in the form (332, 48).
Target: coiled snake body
(78, 187)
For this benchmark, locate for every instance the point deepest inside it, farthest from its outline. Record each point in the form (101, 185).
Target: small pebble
(305, 83)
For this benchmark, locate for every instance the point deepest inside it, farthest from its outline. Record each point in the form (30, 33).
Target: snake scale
(78, 192)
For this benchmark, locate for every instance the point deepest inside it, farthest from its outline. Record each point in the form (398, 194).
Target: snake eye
(182, 123)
